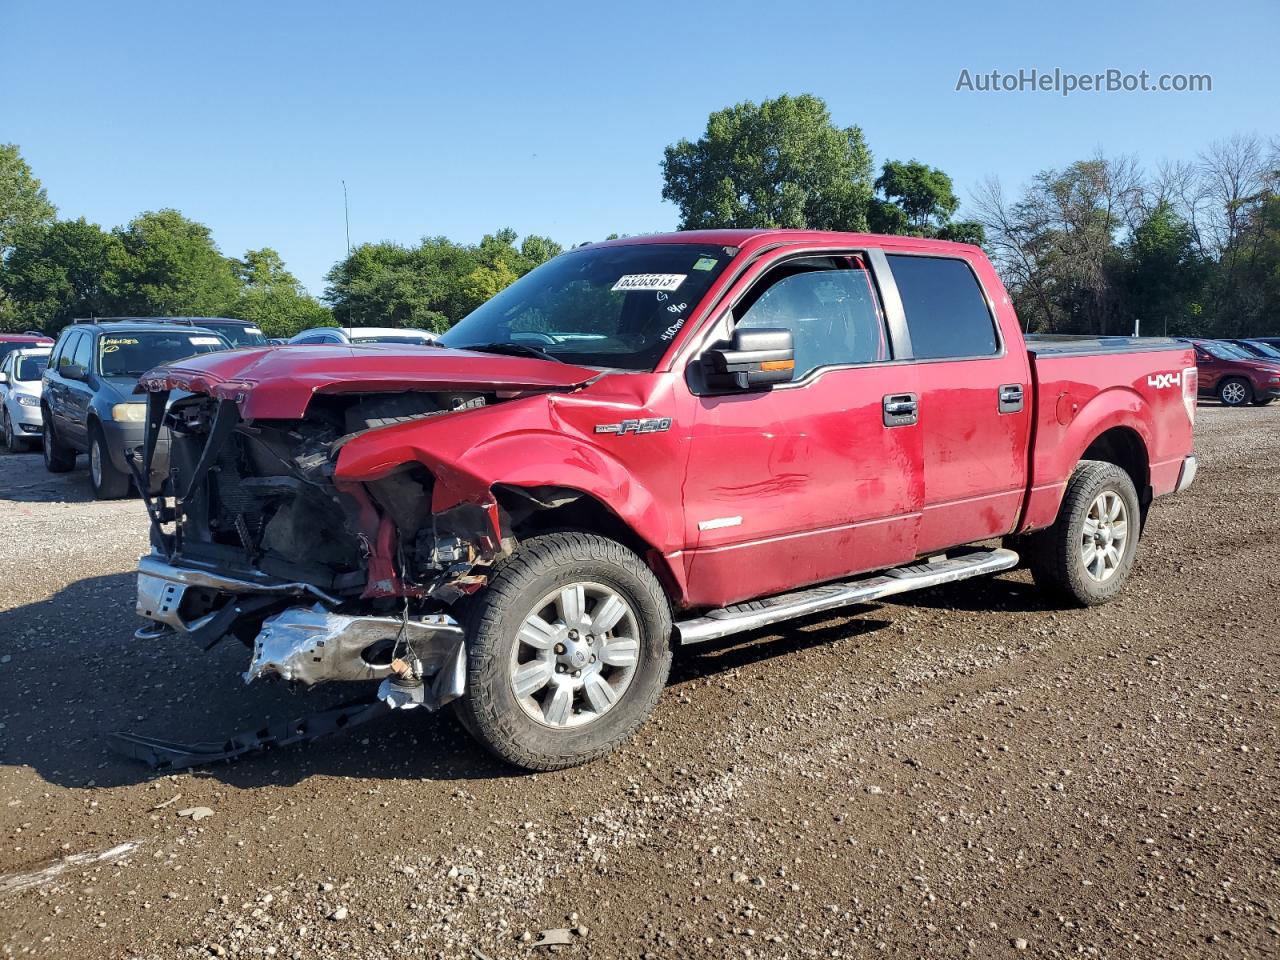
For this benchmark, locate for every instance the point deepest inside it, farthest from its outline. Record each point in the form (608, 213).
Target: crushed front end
(256, 537)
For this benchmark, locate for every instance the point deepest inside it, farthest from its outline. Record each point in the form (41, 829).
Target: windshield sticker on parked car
(706, 263)
(119, 341)
(649, 281)
(204, 341)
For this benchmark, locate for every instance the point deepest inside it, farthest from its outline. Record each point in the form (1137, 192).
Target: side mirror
(751, 358)
(72, 371)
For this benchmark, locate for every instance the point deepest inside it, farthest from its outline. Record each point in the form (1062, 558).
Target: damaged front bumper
(421, 661)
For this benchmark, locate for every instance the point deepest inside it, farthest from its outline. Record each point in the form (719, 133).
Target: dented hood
(278, 382)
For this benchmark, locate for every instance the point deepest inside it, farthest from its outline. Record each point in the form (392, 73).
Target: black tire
(58, 457)
(1263, 401)
(108, 482)
(540, 566)
(1235, 392)
(12, 442)
(1055, 555)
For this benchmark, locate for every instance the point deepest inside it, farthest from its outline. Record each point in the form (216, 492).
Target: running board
(787, 606)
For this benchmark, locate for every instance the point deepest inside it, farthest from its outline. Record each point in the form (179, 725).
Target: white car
(350, 335)
(20, 385)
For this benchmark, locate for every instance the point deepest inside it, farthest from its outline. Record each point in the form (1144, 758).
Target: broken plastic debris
(554, 938)
(196, 813)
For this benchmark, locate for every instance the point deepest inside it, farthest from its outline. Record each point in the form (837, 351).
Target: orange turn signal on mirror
(777, 364)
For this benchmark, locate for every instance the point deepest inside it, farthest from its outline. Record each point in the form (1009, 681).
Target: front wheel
(1235, 392)
(12, 442)
(568, 651)
(1086, 557)
(107, 481)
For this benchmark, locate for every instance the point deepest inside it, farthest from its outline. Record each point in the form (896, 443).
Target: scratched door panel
(800, 484)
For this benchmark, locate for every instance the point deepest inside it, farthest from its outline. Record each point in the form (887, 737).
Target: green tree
(781, 163)
(432, 285)
(168, 265)
(59, 272)
(272, 298)
(1164, 277)
(917, 199)
(23, 201)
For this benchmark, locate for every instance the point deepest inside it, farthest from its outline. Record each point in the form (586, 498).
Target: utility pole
(346, 215)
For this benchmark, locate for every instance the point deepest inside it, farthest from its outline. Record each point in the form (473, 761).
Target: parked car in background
(1273, 341)
(352, 335)
(238, 333)
(1235, 376)
(22, 341)
(20, 385)
(725, 429)
(88, 403)
(1259, 348)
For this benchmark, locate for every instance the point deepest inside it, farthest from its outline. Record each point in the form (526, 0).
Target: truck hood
(278, 382)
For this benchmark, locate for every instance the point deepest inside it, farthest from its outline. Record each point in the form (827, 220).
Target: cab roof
(750, 239)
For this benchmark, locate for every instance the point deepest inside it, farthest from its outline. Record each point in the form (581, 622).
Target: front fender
(530, 442)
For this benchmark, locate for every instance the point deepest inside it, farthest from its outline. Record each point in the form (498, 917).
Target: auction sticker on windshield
(650, 281)
(203, 341)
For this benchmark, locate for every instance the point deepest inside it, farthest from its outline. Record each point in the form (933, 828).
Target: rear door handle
(1010, 398)
(901, 409)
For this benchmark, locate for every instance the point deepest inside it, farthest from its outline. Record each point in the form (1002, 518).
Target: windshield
(30, 368)
(616, 307)
(389, 338)
(133, 354)
(1262, 349)
(1226, 351)
(237, 336)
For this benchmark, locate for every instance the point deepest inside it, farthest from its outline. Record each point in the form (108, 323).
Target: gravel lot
(964, 772)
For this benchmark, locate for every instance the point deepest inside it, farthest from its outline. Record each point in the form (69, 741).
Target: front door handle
(1010, 398)
(901, 409)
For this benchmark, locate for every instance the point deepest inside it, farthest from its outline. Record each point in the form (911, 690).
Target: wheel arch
(547, 508)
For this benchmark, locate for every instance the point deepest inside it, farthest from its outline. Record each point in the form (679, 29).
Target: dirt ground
(961, 772)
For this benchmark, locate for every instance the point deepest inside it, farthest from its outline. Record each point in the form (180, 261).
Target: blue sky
(551, 117)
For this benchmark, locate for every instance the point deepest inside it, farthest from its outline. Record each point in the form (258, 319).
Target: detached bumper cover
(309, 644)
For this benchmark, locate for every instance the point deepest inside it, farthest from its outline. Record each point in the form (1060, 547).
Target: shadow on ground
(24, 479)
(75, 674)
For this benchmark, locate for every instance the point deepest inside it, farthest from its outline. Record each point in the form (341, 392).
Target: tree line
(1100, 246)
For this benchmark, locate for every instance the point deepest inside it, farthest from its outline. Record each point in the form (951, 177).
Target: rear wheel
(1235, 392)
(568, 651)
(107, 481)
(58, 457)
(1086, 557)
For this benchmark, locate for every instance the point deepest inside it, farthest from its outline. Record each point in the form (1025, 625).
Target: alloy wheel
(1233, 393)
(575, 655)
(1105, 536)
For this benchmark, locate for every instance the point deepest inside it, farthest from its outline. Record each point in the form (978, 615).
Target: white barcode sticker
(204, 341)
(650, 281)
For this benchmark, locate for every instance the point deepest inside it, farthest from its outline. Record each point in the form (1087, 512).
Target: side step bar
(787, 606)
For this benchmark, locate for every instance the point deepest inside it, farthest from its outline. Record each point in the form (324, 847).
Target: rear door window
(946, 310)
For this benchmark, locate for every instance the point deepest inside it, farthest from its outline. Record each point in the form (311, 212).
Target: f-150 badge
(651, 425)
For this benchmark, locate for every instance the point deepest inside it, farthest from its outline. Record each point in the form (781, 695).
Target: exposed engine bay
(255, 537)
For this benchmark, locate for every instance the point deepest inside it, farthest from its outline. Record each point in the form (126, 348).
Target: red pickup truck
(643, 443)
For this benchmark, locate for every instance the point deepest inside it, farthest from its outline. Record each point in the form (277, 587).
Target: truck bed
(1053, 344)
